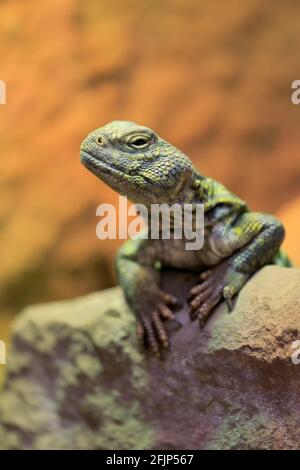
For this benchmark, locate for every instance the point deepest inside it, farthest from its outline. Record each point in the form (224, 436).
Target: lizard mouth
(112, 176)
(97, 166)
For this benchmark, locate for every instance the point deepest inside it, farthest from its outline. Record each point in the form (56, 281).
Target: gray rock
(76, 378)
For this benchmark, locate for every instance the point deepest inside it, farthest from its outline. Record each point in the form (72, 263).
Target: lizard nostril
(99, 140)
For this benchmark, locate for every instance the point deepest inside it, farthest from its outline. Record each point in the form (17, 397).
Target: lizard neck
(193, 191)
(190, 190)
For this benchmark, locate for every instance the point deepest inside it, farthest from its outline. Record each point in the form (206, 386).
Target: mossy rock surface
(76, 378)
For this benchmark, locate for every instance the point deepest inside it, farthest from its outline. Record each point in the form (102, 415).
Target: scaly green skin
(136, 162)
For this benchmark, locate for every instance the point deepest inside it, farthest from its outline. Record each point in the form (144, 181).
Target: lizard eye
(139, 142)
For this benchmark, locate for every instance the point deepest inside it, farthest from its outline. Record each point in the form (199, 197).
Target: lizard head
(136, 162)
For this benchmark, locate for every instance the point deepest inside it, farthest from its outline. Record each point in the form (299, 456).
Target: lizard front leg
(140, 282)
(247, 243)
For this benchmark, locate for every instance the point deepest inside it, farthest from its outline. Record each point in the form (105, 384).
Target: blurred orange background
(213, 78)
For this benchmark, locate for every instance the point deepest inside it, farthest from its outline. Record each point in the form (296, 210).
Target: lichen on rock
(75, 368)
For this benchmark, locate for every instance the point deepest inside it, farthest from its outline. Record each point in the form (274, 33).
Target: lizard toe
(204, 312)
(196, 290)
(205, 275)
(160, 330)
(165, 312)
(198, 301)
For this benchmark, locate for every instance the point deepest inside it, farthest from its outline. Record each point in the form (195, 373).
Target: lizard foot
(220, 282)
(151, 330)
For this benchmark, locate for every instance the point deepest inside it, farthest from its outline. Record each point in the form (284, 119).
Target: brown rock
(77, 380)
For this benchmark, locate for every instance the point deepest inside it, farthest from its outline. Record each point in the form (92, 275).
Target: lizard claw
(151, 328)
(229, 304)
(220, 282)
(204, 297)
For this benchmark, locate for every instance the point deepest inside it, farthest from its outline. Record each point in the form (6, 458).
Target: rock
(76, 378)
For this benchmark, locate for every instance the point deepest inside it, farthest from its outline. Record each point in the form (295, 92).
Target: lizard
(134, 161)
